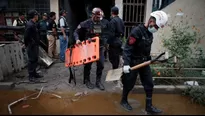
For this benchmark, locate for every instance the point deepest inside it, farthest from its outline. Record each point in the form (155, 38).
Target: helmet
(32, 13)
(96, 12)
(161, 18)
(115, 10)
(102, 15)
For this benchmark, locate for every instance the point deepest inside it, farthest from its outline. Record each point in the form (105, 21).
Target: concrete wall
(193, 12)
(148, 9)
(54, 6)
(119, 4)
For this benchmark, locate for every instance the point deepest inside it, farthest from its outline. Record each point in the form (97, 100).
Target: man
(92, 28)
(63, 36)
(106, 35)
(42, 25)
(31, 40)
(21, 21)
(137, 50)
(52, 35)
(115, 42)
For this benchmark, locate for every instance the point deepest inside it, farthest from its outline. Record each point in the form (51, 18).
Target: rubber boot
(89, 84)
(37, 75)
(151, 109)
(33, 79)
(124, 103)
(99, 85)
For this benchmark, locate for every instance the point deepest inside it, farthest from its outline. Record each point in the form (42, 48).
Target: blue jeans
(63, 47)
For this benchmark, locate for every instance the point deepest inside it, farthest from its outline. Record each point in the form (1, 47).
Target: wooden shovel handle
(140, 65)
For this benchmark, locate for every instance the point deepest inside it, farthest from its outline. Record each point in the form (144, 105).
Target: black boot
(33, 79)
(124, 103)
(89, 84)
(37, 75)
(151, 109)
(100, 86)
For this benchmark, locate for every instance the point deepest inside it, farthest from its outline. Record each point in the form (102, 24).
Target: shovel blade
(114, 75)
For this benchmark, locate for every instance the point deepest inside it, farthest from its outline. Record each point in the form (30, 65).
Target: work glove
(126, 69)
(90, 39)
(78, 41)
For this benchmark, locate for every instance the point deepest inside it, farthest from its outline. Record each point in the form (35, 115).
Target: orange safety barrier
(83, 53)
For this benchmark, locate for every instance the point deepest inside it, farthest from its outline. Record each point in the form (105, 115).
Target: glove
(90, 39)
(126, 69)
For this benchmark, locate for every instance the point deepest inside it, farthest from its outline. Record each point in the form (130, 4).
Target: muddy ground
(94, 102)
(57, 79)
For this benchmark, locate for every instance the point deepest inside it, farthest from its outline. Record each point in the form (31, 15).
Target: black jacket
(138, 44)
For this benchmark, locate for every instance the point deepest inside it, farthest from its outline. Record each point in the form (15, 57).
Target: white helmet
(161, 18)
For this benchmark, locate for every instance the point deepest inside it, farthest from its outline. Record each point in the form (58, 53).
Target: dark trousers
(128, 80)
(100, 67)
(114, 56)
(33, 52)
(105, 53)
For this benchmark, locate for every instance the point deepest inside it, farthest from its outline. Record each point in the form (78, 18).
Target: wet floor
(94, 104)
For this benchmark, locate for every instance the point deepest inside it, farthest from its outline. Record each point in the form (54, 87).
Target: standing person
(42, 25)
(137, 50)
(63, 36)
(52, 35)
(90, 28)
(106, 35)
(21, 21)
(31, 40)
(115, 41)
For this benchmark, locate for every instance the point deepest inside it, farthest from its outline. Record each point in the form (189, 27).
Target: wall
(193, 13)
(119, 4)
(54, 6)
(148, 9)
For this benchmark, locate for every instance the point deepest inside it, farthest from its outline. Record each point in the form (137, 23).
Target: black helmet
(32, 13)
(97, 12)
(62, 11)
(115, 10)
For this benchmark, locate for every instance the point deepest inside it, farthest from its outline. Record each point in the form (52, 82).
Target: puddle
(95, 104)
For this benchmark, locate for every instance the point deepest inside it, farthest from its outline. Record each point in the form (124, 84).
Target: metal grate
(133, 13)
(24, 5)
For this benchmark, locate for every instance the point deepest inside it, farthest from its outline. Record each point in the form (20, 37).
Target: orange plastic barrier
(83, 53)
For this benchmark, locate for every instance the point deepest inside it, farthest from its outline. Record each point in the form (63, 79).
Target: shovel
(114, 75)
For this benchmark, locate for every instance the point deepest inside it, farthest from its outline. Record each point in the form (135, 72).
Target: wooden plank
(194, 78)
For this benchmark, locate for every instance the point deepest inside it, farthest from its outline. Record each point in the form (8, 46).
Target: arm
(112, 31)
(79, 30)
(62, 24)
(54, 29)
(15, 23)
(27, 35)
(129, 46)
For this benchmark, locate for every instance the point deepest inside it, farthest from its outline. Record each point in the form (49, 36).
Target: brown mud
(94, 104)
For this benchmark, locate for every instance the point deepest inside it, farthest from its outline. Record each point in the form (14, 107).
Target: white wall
(148, 9)
(194, 13)
(54, 6)
(119, 4)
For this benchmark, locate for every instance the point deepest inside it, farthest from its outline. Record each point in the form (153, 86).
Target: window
(160, 4)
